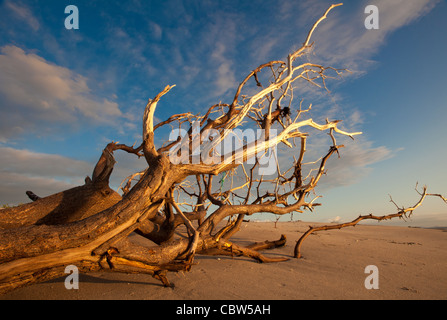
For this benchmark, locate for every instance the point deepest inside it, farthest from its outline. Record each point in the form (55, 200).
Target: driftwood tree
(209, 172)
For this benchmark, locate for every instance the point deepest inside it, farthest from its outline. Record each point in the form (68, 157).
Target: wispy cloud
(156, 31)
(35, 91)
(224, 76)
(24, 13)
(343, 41)
(354, 163)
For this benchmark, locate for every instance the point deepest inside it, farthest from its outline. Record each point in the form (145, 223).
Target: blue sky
(64, 94)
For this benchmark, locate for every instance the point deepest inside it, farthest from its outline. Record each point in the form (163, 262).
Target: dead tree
(191, 177)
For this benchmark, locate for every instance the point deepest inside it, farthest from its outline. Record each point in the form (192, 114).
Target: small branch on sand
(401, 214)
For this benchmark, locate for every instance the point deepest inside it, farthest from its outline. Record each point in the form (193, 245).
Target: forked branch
(402, 213)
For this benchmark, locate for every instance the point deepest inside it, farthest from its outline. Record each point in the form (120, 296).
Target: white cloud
(337, 219)
(35, 92)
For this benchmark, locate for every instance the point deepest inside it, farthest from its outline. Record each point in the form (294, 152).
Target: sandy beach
(411, 264)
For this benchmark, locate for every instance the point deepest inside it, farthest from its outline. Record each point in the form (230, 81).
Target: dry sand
(412, 264)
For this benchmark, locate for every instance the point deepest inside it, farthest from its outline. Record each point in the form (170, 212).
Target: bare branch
(148, 126)
(402, 212)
